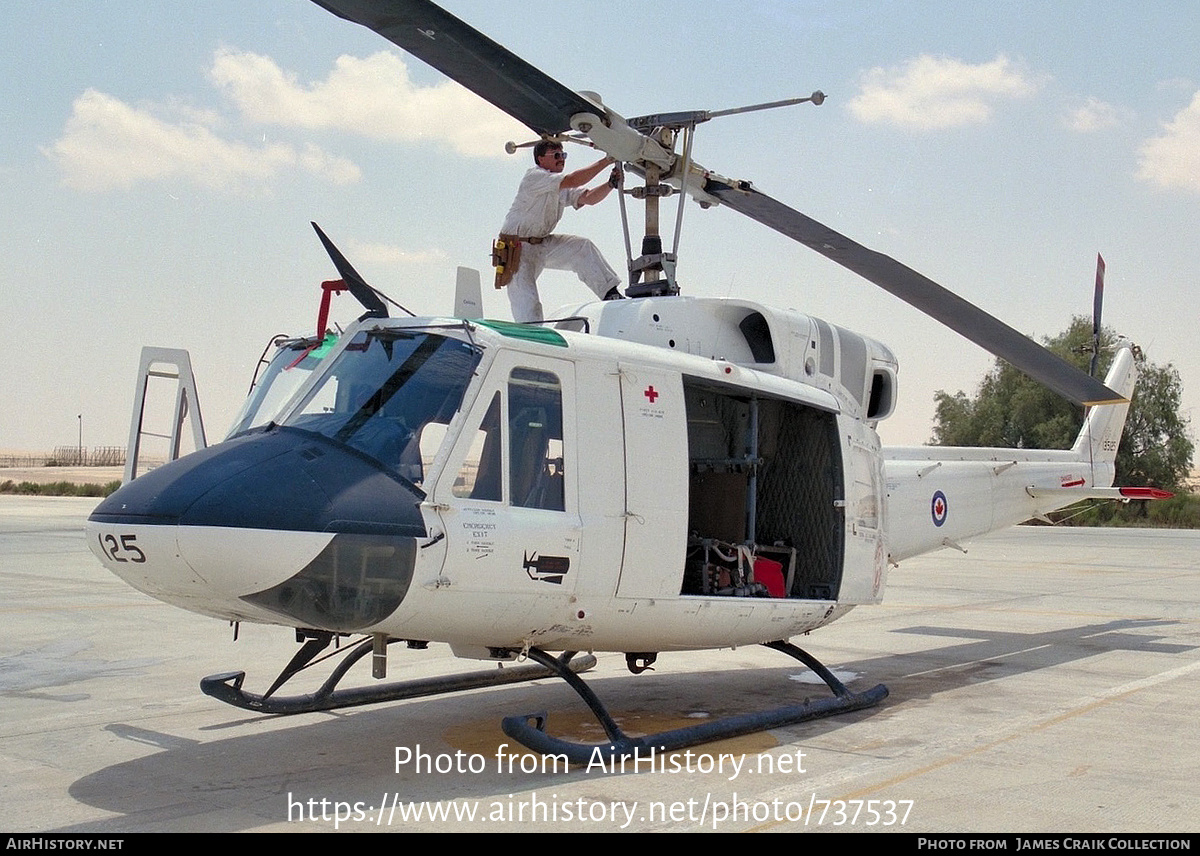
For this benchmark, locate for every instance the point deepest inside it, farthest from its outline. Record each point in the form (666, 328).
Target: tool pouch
(506, 258)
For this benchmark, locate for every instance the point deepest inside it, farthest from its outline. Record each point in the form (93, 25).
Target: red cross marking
(651, 393)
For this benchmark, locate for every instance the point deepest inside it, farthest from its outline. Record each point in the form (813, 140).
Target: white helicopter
(650, 475)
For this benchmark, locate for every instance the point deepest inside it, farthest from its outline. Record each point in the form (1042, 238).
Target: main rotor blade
(499, 76)
(359, 287)
(919, 291)
(467, 56)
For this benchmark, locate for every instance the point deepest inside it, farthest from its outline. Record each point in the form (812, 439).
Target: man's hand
(582, 176)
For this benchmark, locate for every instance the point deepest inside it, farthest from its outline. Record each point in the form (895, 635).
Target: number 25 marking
(127, 545)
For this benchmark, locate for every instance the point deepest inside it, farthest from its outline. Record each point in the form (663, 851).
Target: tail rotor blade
(1097, 302)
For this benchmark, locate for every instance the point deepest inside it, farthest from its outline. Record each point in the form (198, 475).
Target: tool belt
(506, 256)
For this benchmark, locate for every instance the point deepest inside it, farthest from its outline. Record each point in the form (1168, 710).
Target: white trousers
(557, 252)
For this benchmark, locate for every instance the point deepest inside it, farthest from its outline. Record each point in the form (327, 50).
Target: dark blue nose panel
(162, 495)
(293, 481)
(276, 479)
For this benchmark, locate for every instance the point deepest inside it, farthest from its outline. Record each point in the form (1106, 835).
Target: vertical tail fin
(1101, 433)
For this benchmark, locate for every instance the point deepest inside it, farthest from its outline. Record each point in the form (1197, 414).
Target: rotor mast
(647, 144)
(656, 268)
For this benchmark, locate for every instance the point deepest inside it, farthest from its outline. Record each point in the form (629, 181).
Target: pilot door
(508, 495)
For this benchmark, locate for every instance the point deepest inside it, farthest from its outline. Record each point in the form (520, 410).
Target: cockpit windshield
(294, 362)
(383, 390)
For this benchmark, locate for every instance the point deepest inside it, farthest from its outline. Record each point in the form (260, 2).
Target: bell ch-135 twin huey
(657, 474)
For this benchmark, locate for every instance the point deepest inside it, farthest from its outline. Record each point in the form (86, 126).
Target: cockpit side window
(481, 474)
(535, 429)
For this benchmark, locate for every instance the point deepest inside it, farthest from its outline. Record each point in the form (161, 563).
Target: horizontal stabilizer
(1122, 493)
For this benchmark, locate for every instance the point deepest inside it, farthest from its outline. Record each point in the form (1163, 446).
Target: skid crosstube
(529, 730)
(227, 686)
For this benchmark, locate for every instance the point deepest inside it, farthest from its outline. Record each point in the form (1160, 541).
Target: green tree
(1011, 409)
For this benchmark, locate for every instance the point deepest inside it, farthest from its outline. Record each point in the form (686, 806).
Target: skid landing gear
(227, 686)
(530, 729)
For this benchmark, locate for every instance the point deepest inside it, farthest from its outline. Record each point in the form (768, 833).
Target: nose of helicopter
(276, 525)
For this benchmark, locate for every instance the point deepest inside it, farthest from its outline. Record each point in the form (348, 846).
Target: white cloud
(109, 144)
(1173, 159)
(1181, 85)
(374, 97)
(1093, 115)
(930, 92)
(390, 254)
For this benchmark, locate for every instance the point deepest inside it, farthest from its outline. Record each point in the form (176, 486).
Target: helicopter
(660, 474)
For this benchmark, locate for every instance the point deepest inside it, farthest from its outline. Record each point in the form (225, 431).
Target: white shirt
(539, 204)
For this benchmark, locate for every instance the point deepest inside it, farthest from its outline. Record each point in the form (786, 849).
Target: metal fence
(69, 456)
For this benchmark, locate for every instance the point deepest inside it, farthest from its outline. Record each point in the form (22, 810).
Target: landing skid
(227, 686)
(530, 729)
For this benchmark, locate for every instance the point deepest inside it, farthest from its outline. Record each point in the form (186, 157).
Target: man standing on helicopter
(526, 246)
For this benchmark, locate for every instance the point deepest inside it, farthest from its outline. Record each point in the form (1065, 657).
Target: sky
(161, 162)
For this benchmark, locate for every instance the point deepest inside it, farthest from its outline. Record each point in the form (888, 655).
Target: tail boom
(946, 495)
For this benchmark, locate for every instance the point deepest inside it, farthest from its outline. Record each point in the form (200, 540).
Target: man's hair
(544, 146)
